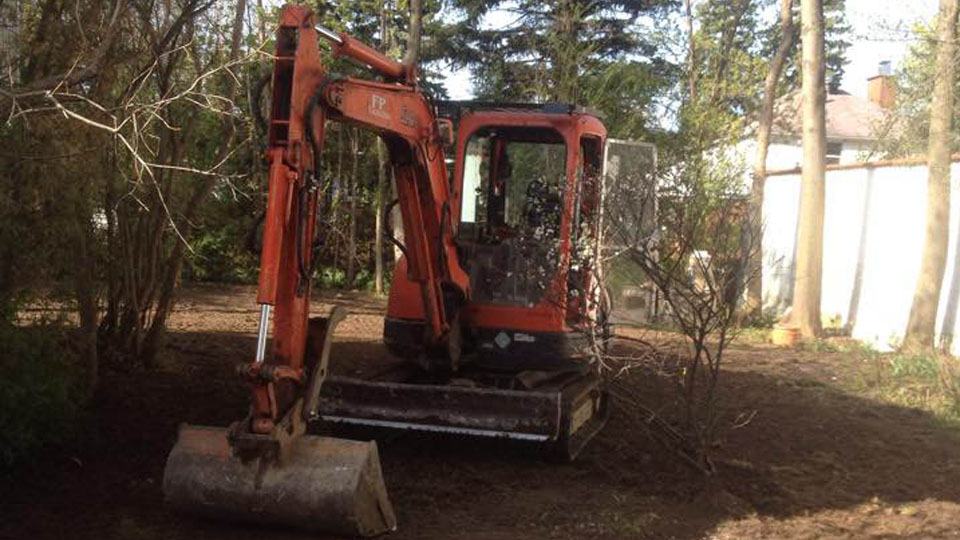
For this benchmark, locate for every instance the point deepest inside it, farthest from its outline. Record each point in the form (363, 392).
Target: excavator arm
(304, 100)
(405, 120)
(265, 468)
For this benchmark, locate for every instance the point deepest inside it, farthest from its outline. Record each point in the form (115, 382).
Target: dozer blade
(322, 484)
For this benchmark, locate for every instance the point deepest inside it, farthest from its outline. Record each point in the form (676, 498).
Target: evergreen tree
(548, 49)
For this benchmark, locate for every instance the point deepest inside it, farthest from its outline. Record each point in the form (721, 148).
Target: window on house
(833, 152)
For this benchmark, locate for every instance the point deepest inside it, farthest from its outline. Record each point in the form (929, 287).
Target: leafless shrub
(126, 113)
(689, 236)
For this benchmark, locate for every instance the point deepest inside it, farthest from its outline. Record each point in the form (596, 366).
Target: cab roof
(456, 108)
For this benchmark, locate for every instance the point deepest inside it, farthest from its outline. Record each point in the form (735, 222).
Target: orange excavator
(495, 312)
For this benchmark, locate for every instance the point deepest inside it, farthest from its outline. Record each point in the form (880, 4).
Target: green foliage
(44, 211)
(562, 51)
(948, 376)
(926, 381)
(819, 346)
(364, 280)
(628, 93)
(335, 278)
(331, 278)
(752, 334)
(39, 391)
(734, 43)
(762, 320)
(906, 130)
(731, 62)
(913, 365)
(219, 257)
(621, 273)
(836, 33)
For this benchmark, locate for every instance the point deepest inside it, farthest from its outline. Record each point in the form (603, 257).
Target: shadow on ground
(809, 449)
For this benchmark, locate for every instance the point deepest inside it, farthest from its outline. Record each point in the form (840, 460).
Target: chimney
(881, 88)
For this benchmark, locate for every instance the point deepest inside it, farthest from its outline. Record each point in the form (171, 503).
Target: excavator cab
(525, 207)
(526, 191)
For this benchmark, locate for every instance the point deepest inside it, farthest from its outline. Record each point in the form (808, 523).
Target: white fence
(873, 240)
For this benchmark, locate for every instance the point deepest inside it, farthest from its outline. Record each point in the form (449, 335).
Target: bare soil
(815, 460)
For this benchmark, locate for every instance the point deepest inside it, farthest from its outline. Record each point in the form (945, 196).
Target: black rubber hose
(307, 270)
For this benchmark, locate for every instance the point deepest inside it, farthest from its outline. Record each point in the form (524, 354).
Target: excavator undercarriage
(561, 410)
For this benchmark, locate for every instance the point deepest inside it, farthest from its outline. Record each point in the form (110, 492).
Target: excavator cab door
(629, 218)
(511, 212)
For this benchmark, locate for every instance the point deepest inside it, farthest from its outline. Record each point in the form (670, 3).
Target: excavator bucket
(322, 484)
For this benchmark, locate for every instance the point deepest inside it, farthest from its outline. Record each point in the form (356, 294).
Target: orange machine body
(480, 283)
(304, 98)
(560, 316)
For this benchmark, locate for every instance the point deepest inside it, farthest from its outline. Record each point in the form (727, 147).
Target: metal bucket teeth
(324, 484)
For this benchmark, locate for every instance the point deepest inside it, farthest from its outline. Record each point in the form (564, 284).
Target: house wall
(855, 151)
(782, 155)
(789, 155)
(873, 239)
(786, 154)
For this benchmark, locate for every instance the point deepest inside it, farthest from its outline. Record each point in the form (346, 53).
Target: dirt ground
(815, 459)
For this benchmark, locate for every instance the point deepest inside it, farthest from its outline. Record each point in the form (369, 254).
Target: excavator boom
(265, 468)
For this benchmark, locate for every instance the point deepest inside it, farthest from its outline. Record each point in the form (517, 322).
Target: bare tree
(81, 71)
(379, 197)
(696, 255)
(923, 313)
(200, 193)
(764, 126)
(411, 60)
(809, 259)
(125, 102)
(353, 193)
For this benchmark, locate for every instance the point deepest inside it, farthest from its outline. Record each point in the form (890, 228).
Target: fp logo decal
(378, 106)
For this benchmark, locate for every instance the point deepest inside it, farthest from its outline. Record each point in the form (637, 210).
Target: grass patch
(819, 346)
(753, 335)
(930, 382)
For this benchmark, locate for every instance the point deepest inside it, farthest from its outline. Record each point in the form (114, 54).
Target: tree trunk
(565, 56)
(413, 37)
(352, 209)
(85, 290)
(413, 57)
(337, 199)
(806, 289)
(396, 218)
(378, 197)
(923, 313)
(764, 125)
(691, 53)
(730, 32)
(380, 206)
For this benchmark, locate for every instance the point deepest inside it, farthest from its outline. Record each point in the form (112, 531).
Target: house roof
(848, 117)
